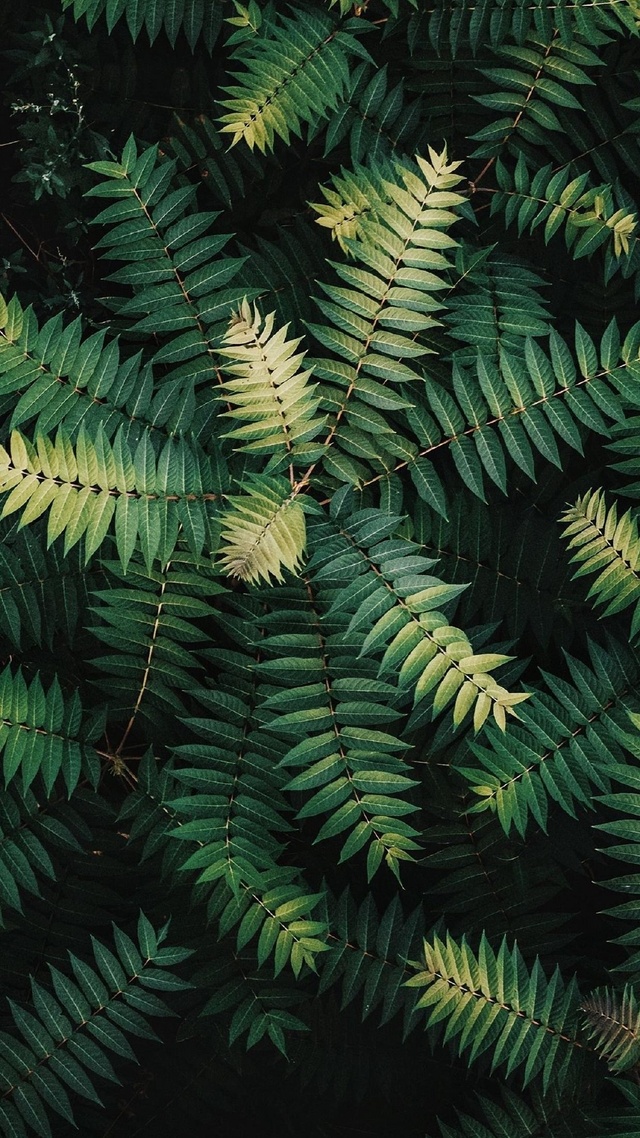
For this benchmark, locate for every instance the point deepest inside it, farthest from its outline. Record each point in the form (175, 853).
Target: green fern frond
(197, 19)
(590, 217)
(42, 733)
(612, 1020)
(609, 546)
(195, 141)
(377, 119)
(352, 196)
(280, 910)
(269, 394)
(478, 881)
(512, 565)
(293, 75)
(558, 1114)
(65, 1039)
(42, 593)
(263, 531)
(374, 324)
(492, 1000)
(219, 817)
(456, 27)
(149, 817)
(342, 732)
(564, 746)
(61, 379)
(496, 303)
(626, 442)
(234, 824)
(509, 409)
(626, 806)
(170, 260)
(535, 79)
(31, 832)
(148, 619)
(237, 829)
(250, 1006)
(368, 954)
(281, 271)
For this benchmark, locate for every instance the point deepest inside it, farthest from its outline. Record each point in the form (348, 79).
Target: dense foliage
(320, 568)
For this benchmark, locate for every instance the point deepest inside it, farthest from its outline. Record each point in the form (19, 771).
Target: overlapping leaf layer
(320, 568)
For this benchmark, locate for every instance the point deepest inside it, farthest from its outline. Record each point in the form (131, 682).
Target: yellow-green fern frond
(386, 587)
(264, 532)
(291, 76)
(610, 546)
(490, 1000)
(353, 196)
(271, 396)
(90, 486)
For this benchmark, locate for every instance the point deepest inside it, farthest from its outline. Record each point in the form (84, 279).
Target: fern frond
(513, 566)
(626, 442)
(510, 409)
(170, 260)
(65, 1039)
(281, 909)
(293, 75)
(606, 139)
(557, 1114)
(481, 884)
(341, 721)
(88, 890)
(352, 196)
(279, 272)
(626, 805)
(264, 531)
(196, 19)
(148, 619)
(271, 396)
(242, 1002)
(532, 82)
(237, 763)
(219, 819)
(492, 1000)
(94, 485)
(391, 594)
(231, 806)
(374, 324)
(496, 304)
(368, 954)
(42, 733)
(195, 141)
(149, 817)
(564, 746)
(612, 1020)
(607, 545)
(42, 593)
(378, 120)
(456, 27)
(31, 829)
(590, 217)
(60, 378)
